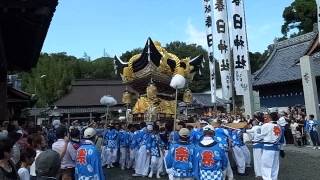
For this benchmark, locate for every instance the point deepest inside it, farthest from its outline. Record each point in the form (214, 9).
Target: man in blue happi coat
(88, 162)
(180, 158)
(210, 160)
(111, 141)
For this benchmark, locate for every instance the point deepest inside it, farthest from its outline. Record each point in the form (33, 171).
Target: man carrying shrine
(256, 142)
(143, 157)
(240, 151)
(210, 159)
(271, 136)
(123, 144)
(111, 141)
(222, 137)
(197, 133)
(180, 157)
(88, 162)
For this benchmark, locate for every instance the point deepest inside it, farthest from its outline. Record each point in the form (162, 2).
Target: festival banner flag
(222, 45)
(240, 47)
(208, 24)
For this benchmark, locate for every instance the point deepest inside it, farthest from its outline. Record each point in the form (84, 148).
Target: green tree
(299, 16)
(128, 54)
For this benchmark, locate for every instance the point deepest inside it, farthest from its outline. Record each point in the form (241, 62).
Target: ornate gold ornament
(126, 97)
(187, 96)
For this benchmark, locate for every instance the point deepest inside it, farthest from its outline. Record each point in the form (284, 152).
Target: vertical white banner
(222, 45)
(208, 23)
(240, 47)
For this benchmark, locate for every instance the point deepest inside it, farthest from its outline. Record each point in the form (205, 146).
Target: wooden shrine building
(279, 81)
(82, 103)
(23, 28)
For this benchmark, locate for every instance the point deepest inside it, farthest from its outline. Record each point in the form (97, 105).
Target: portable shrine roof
(85, 93)
(24, 26)
(283, 64)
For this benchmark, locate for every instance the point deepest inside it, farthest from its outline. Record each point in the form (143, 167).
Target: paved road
(299, 164)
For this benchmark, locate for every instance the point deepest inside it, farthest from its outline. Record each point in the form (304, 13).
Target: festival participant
(257, 145)
(174, 135)
(111, 140)
(197, 133)
(270, 135)
(132, 145)
(222, 137)
(164, 144)
(143, 158)
(88, 162)
(180, 157)
(123, 144)
(104, 158)
(240, 151)
(210, 160)
(153, 147)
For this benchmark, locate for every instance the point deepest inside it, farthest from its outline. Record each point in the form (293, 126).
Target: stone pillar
(309, 86)
(248, 95)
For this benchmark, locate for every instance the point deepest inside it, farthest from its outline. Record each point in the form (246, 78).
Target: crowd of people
(192, 151)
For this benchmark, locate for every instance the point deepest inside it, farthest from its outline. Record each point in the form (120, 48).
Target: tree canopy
(299, 17)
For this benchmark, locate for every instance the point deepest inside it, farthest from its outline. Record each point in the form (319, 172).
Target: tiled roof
(204, 99)
(89, 92)
(282, 64)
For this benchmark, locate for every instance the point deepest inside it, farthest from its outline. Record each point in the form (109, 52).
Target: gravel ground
(299, 164)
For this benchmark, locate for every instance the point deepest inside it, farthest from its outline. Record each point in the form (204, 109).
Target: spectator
(52, 132)
(26, 160)
(37, 142)
(293, 127)
(7, 167)
(15, 153)
(312, 129)
(60, 146)
(298, 136)
(45, 170)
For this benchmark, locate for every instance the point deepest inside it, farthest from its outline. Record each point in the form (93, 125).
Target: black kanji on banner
(238, 42)
(236, 2)
(208, 21)
(237, 21)
(228, 81)
(224, 65)
(210, 40)
(222, 46)
(211, 59)
(207, 8)
(219, 5)
(240, 62)
(221, 26)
